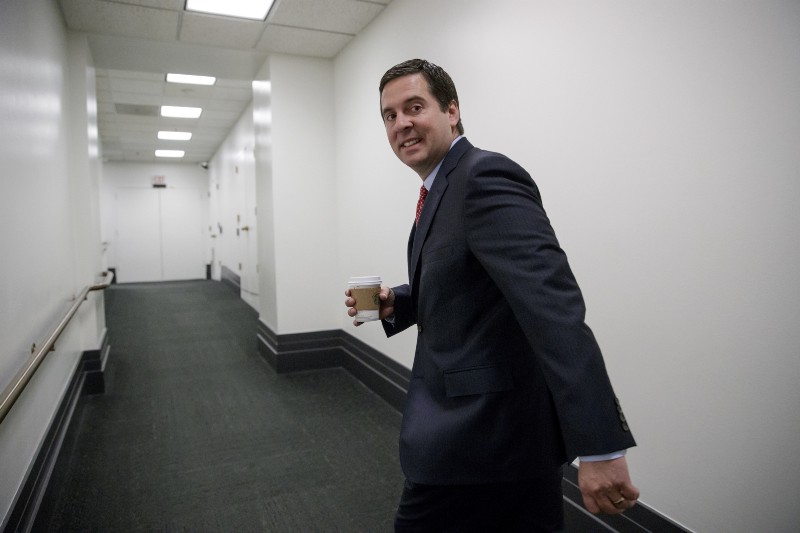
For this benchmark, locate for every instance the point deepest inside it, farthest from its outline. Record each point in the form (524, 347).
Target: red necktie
(423, 192)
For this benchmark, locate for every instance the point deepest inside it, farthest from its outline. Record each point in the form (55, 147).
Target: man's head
(419, 106)
(440, 84)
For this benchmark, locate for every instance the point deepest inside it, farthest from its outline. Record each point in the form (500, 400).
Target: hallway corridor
(196, 432)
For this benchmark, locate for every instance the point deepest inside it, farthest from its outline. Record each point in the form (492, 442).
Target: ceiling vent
(140, 110)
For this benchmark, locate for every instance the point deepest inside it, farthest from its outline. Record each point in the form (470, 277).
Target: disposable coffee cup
(366, 291)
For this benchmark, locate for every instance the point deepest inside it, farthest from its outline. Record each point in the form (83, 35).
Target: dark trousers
(529, 506)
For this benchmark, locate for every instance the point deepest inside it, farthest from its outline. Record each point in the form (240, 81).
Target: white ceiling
(134, 43)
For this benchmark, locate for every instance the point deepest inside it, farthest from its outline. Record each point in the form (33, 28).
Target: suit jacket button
(625, 427)
(419, 328)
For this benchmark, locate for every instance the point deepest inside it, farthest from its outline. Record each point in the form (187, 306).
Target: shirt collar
(432, 176)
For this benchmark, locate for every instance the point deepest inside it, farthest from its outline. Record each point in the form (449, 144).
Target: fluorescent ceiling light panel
(190, 78)
(180, 112)
(247, 9)
(169, 153)
(174, 135)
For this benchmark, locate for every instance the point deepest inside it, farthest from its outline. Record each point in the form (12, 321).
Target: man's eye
(389, 117)
(416, 108)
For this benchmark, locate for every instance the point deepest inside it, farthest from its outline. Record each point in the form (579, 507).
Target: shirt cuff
(602, 457)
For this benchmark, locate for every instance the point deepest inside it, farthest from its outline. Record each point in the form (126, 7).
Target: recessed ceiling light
(174, 135)
(247, 9)
(180, 112)
(190, 78)
(169, 153)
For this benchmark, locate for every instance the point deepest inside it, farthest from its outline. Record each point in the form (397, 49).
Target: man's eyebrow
(407, 101)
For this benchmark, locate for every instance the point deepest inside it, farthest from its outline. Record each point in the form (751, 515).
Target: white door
(138, 235)
(159, 235)
(248, 237)
(182, 234)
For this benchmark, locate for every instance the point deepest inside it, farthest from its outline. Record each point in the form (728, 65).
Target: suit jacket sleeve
(404, 316)
(509, 233)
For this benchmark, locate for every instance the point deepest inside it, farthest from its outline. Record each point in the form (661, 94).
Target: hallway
(196, 432)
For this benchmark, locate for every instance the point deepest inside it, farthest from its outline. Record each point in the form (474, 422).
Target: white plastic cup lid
(365, 280)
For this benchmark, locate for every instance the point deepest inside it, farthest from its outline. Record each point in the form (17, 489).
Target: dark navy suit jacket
(508, 381)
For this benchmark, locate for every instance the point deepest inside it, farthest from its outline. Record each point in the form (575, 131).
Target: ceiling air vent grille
(140, 110)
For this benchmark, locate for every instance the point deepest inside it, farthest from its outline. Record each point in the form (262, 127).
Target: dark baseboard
(231, 279)
(384, 376)
(87, 379)
(335, 348)
(94, 366)
(389, 380)
(299, 351)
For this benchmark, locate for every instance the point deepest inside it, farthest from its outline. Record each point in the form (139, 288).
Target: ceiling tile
(229, 106)
(95, 16)
(221, 114)
(343, 16)
(227, 32)
(224, 121)
(137, 109)
(175, 5)
(233, 93)
(133, 75)
(234, 84)
(181, 90)
(286, 40)
(119, 85)
(214, 92)
(123, 97)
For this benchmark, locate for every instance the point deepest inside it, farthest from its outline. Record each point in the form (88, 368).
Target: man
(508, 383)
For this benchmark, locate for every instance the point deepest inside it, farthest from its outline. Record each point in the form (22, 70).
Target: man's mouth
(411, 142)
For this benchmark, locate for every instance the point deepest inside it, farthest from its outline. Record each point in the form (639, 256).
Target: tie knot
(423, 192)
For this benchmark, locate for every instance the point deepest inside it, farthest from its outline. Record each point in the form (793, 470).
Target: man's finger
(590, 504)
(630, 492)
(616, 498)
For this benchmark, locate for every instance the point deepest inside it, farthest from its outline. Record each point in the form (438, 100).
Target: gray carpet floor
(196, 432)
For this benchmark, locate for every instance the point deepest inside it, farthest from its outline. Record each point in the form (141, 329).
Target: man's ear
(454, 113)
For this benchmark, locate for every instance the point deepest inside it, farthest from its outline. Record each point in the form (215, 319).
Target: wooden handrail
(17, 385)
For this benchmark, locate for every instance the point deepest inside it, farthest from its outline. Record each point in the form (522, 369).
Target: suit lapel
(432, 204)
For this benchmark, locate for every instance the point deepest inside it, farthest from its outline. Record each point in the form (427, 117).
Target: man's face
(419, 132)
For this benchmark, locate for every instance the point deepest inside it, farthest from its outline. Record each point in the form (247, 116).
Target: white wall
(49, 220)
(664, 137)
(300, 216)
(287, 134)
(265, 198)
(234, 206)
(184, 177)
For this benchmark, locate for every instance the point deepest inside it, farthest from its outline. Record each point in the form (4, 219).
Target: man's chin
(413, 163)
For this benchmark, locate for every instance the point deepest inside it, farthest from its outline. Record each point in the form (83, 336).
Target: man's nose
(402, 122)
